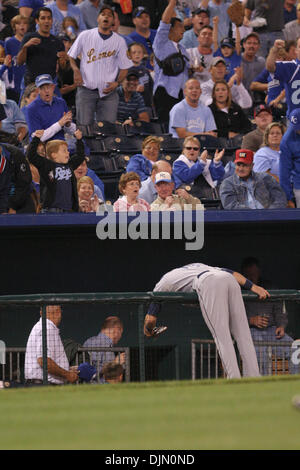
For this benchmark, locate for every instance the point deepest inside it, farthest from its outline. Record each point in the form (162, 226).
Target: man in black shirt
(41, 50)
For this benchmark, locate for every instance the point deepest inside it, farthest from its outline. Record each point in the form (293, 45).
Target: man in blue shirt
(169, 78)
(110, 334)
(190, 117)
(143, 34)
(49, 112)
(200, 18)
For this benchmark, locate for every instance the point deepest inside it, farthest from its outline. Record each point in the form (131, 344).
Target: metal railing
(206, 362)
(141, 300)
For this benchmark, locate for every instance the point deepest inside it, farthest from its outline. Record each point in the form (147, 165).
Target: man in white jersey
(103, 66)
(222, 307)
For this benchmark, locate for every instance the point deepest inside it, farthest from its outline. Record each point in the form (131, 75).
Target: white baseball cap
(163, 176)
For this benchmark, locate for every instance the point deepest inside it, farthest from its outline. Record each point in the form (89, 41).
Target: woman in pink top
(129, 186)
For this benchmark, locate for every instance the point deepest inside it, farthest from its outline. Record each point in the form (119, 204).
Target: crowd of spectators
(227, 93)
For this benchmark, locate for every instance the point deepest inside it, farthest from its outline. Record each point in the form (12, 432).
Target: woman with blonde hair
(142, 163)
(87, 199)
(266, 159)
(198, 171)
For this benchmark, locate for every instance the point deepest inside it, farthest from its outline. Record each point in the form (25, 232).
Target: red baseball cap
(261, 107)
(244, 156)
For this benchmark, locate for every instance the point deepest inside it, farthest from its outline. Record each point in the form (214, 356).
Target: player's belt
(207, 271)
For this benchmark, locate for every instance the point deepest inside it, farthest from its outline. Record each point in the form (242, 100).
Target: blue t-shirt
(197, 120)
(12, 47)
(34, 4)
(63, 194)
(288, 73)
(231, 62)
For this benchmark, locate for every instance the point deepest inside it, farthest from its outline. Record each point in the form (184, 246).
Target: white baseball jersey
(101, 59)
(223, 311)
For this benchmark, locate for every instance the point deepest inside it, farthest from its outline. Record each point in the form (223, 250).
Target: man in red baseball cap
(246, 189)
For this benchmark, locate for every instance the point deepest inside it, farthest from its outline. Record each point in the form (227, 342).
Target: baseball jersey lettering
(94, 48)
(101, 55)
(295, 98)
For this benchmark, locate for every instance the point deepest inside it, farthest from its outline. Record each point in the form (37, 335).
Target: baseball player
(103, 66)
(222, 308)
(287, 72)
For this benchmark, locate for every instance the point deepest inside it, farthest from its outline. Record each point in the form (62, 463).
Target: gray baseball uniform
(223, 310)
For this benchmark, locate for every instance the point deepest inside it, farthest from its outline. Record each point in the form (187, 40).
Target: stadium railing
(141, 299)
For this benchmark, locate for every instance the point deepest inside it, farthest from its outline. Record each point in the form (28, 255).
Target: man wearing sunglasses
(246, 189)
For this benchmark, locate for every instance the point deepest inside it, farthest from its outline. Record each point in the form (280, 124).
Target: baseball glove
(236, 12)
(154, 332)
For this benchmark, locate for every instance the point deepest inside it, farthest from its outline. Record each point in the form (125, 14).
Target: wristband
(248, 285)
(154, 309)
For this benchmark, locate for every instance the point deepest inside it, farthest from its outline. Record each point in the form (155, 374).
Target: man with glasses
(246, 189)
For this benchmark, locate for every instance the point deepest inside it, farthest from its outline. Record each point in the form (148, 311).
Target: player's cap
(295, 119)
(107, 7)
(216, 60)
(198, 11)
(244, 156)
(163, 176)
(86, 371)
(132, 72)
(138, 11)
(43, 79)
(261, 107)
(229, 42)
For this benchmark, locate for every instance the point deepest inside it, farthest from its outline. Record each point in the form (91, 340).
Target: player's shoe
(154, 332)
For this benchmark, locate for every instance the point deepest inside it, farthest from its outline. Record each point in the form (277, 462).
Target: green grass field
(219, 414)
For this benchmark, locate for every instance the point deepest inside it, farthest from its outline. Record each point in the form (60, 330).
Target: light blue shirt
(221, 12)
(90, 13)
(162, 48)
(196, 120)
(266, 159)
(15, 117)
(58, 18)
(189, 39)
(148, 191)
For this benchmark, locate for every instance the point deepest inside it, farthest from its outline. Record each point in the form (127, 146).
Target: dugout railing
(141, 301)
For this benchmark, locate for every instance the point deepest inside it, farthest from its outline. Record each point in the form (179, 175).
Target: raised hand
(218, 155)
